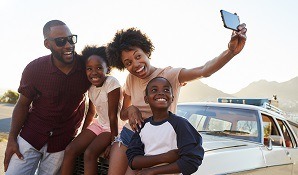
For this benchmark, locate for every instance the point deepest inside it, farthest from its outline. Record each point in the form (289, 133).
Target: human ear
(146, 99)
(46, 43)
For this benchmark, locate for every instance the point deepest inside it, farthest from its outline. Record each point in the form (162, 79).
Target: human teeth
(95, 78)
(160, 99)
(139, 70)
(67, 53)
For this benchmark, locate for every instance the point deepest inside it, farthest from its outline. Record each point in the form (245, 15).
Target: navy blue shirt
(173, 133)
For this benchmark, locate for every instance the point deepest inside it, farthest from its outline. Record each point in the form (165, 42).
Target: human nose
(93, 71)
(160, 92)
(136, 63)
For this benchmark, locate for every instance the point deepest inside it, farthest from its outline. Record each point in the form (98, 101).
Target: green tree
(10, 97)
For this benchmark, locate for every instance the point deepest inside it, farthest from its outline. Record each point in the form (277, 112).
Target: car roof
(238, 106)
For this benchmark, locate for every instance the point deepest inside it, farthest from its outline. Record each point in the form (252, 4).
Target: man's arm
(235, 46)
(19, 117)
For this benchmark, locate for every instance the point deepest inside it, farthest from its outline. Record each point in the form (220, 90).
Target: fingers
(107, 152)
(8, 155)
(6, 161)
(135, 124)
(135, 119)
(242, 31)
(241, 26)
(20, 156)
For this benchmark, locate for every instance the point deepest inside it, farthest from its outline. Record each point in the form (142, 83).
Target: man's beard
(59, 57)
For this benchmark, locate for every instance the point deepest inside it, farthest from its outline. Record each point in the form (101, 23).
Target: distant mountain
(198, 91)
(285, 90)
(287, 93)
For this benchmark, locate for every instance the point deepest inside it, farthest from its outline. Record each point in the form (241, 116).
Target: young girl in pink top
(104, 97)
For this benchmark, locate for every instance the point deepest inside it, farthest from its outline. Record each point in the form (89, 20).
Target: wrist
(12, 137)
(230, 53)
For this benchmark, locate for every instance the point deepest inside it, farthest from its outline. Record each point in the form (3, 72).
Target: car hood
(211, 143)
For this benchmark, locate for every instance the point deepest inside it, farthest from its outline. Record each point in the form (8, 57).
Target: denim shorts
(125, 136)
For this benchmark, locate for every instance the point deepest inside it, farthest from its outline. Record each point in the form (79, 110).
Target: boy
(163, 132)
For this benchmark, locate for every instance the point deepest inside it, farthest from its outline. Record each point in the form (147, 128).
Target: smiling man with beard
(50, 108)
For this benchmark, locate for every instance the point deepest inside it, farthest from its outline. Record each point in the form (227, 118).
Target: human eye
(153, 90)
(138, 56)
(88, 69)
(61, 40)
(99, 68)
(127, 63)
(167, 89)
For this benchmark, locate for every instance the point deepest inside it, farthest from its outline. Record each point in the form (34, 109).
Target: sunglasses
(61, 41)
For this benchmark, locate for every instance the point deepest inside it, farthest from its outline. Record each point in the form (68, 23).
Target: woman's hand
(238, 39)
(107, 152)
(134, 117)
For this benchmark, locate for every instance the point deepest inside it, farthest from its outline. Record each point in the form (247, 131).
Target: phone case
(230, 20)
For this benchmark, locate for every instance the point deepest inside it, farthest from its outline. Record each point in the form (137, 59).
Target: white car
(244, 139)
(238, 139)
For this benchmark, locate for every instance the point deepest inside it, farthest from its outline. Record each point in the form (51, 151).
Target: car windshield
(223, 121)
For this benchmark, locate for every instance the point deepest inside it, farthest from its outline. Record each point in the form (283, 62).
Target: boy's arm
(90, 115)
(172, 168)
(189, 143)
(142, 161)
(235, 46)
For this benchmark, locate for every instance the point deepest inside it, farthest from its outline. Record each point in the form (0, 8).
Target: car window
(218, 125)
(288, 136)
(270, 131)
(223, 121)
(294, 127)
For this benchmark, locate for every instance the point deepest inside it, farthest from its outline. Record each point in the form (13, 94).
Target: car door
(290, 142)
(277, 157)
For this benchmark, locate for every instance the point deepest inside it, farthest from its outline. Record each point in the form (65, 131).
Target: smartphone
(230, 20)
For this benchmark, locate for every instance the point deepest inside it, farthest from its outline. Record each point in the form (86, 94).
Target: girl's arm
(90, 115)
(113, 101)
(235, 46)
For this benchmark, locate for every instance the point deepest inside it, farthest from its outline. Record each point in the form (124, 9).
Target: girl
(104, 97)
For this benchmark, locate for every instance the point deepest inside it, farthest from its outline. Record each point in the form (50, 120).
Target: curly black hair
(94, 50)
(126, 40)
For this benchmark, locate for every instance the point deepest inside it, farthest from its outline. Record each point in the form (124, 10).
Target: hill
(198, 91)
(286, 93)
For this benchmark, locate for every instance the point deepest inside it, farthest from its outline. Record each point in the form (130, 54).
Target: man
(50, 108)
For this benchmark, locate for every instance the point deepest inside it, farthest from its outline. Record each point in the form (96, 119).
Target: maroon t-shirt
(58, 103)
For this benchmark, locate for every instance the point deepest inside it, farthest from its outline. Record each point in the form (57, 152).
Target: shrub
(10, 97)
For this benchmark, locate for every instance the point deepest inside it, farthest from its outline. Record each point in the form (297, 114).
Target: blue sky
(186, 33)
